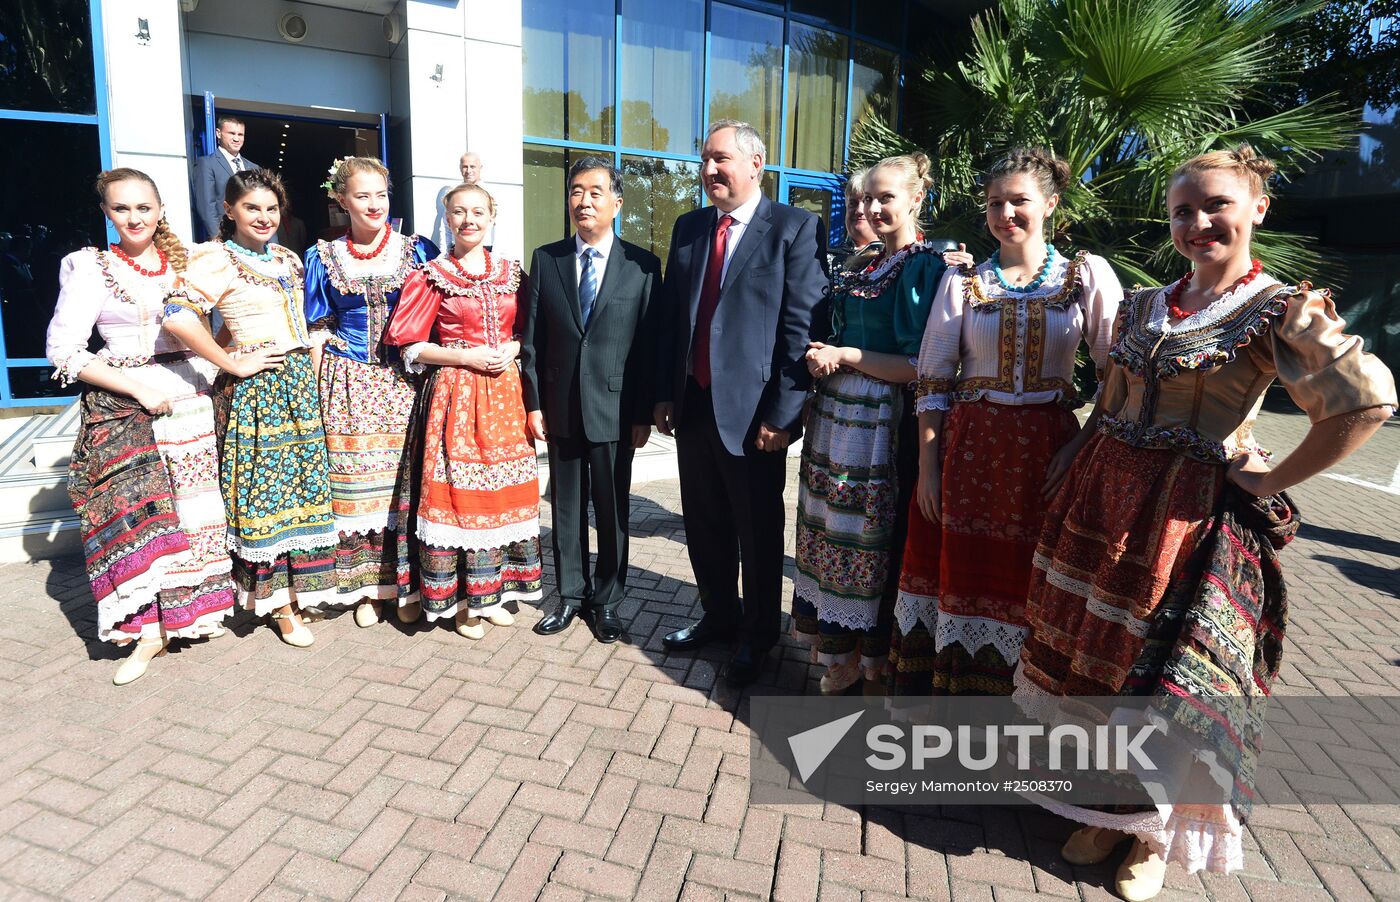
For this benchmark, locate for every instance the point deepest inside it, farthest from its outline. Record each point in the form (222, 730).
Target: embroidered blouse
(441, 305)
(884, 309)
(983, 341)
(1196, 386)
(349, 301)
(97, 289)
(260, 301)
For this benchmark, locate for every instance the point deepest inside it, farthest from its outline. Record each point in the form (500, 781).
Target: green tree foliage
(1124, 90)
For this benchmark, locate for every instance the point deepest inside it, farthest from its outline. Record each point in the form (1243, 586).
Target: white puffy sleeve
(1100, 298)
(81, 295)
(941, 348)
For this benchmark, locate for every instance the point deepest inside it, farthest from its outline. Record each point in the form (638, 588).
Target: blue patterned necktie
(587, 284)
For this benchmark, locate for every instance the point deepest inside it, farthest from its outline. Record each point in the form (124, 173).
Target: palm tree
(1124, 90)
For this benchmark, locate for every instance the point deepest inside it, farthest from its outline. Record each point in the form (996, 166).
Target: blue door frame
(836, 228)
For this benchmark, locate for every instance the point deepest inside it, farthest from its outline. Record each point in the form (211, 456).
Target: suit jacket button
(585, 342)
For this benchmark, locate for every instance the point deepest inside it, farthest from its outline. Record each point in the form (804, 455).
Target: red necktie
(709, 300)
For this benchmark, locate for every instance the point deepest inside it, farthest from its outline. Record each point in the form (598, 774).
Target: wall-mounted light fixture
(437, 74)
(143, 31)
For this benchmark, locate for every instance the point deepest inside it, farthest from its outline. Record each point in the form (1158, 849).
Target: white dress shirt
(742, 217)
(230, 158)
(603, 249)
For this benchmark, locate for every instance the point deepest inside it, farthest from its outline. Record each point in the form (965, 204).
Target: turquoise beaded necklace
(265, 256)
(1033, 284)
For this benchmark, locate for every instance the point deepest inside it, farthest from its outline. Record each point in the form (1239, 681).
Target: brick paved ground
(409, 763)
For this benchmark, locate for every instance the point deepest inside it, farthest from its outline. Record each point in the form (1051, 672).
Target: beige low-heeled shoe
(501, 617)
(409, 613)
(840, 677)
(366, 614)
(299, 636)
(471, 628)
(1091, 845)
(135, 664)
(1141, 875)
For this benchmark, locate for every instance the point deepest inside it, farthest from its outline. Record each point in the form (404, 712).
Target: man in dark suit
(742, 281)
(588, 357)
(212, 172)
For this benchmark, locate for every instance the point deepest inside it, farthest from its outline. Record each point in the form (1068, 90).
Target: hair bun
(1249, 158)
(1052, 172)
(923, 167)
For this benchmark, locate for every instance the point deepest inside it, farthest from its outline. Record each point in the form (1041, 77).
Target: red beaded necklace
(463, 270)
(1174, 293)
(360, 255)
(149, 273)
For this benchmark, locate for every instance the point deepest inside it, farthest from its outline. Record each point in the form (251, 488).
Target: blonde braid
(170, 244)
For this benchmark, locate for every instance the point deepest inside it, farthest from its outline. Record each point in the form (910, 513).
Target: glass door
(819, 194)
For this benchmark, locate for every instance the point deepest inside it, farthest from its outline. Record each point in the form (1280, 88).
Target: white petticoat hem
(507, 596)
(364, 524)
(304, 601)
(851, 613)
(972, 633)
(442, 535)
(322, 541)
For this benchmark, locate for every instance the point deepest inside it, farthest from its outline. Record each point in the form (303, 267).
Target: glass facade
(639, 81)
(49, 77)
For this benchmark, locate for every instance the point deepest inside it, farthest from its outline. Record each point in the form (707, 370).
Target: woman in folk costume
(1157, 571)
(859, 456)
(273, 468)
(144, 473)
(478, 508)
(996, 388)
(862, 241)
(352, 287)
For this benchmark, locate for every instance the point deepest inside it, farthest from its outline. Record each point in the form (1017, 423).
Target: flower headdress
(329, 183)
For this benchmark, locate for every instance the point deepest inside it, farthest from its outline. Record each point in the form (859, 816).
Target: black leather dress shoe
(558, 621)
(607, 626)
(744, 667)
(699, 634)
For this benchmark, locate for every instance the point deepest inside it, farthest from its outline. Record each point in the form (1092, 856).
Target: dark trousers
(733, 510)
(580, 470)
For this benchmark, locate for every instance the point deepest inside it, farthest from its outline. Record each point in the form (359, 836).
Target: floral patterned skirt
(275, 477)
(1119, 532)
(960, 616)
(855, 464)
(479, 505)
(367, 410)
(149, 574)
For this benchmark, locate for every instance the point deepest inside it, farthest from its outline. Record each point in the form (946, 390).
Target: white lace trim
(938, 401)
(443, 535)
(1096, 606)
(363, 524)
(314, 542)
(135, 596)
(1108, 612)
(1216, 311)
(910, 609)
(409, 355)
(972, 633)
(1215, 845)
(851, 613)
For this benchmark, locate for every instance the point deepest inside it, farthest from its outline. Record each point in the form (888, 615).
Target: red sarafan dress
(479, 505)
(1000, 361)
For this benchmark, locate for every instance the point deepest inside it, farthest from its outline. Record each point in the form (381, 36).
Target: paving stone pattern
(408, 763)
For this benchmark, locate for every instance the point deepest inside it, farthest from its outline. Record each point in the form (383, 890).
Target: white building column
(461, 70)
(146, 100)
